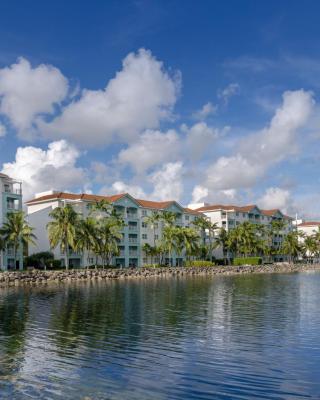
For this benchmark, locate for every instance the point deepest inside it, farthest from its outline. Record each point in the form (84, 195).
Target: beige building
(135, 233)
(230, 216)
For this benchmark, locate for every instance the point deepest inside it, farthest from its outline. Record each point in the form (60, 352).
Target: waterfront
(202, 337)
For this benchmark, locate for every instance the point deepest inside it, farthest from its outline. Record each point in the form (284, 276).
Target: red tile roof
(190, 211)
(310, 223)
(227, 208)
(73, 196)
(161, 205)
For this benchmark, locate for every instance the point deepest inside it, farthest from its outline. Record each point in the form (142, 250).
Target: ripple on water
(197, 338)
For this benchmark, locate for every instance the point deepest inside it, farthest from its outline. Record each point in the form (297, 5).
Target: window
(244, 215)
(6, 188)
(156, 237)
(187, 217)
(144, 224)
(144, 212)
(237, 214)
(144, 236)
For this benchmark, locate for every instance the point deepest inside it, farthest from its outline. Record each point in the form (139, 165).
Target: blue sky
(196, 101)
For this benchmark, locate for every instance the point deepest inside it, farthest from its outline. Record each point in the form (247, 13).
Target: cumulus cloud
(40, 170)
(152, 148)
(231, 90)
(122, 187)
(275, 197)
(137, 98)
(27, 92)
(199, 138)
(167, 182)
(257, 153)
(206, 110)
(3, 130)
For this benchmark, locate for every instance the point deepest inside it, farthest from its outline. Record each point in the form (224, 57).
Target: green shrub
(247, 261)
(199, 263)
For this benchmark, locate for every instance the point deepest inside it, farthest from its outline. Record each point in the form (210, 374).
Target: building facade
(134, 235)
(11, 201)
(230, 216)
(308, 228)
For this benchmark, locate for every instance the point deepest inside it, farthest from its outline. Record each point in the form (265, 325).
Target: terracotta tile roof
(190, 211)
(227, 208)
(270, 213)
(160, 205)
(72, 196)
(310, 223)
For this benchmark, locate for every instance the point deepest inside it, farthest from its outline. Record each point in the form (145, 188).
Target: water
(248, 337)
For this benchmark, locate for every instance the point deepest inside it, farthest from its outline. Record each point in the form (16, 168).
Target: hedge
(247, 261)
(199, 263)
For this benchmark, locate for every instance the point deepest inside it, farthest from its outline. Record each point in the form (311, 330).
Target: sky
(213, 102)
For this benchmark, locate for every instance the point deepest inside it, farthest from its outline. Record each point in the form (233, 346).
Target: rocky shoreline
(35, 277)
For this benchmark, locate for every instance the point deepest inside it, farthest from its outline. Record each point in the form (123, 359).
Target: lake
(242, 337)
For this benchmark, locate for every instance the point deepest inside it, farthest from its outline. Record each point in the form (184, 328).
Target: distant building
(135, 234)
(11, 201)
(230, 216)
(308, 228)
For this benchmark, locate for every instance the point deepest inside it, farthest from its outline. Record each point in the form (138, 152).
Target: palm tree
(190, 241)
(310, 247)
(291, 246)
(16, 232)
(152, 221)
(62, 229)
(148, 251)
(168, 217)
(86, 236)
(169, 240)
(222, 239)
(109, 234)
(206, 228)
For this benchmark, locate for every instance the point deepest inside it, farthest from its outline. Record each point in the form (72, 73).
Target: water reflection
(186, 338)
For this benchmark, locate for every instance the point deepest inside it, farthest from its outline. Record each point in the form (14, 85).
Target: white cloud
(206, 110)
(167, 182)
(122, 187)
(275, 197)
(40, 170)
(258, 152)
(139, 97)
(26, 92)
(152, 148)
(199, 138)
(3, 130)
(231, 90)
(199, 192)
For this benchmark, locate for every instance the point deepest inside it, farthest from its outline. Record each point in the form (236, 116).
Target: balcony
(133, 240)
(132, 228)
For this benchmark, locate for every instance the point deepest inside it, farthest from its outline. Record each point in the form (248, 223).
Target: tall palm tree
(222, 240)
(87, 236)
(191, 241)
(152, 220)
(16, 232)
(207, 229)
(169, 241)
(310, 247)
(168, 217)
(291, 246)
(62, 229)
(109, 234)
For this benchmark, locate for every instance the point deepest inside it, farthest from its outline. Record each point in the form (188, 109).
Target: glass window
(144, 212)
(144, 236)
(144, 224)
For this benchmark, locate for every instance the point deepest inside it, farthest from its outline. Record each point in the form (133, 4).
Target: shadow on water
(253, 336)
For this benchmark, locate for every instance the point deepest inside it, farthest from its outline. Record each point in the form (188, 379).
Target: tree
(291, 246)
(190, 240)
(169, 241)
(168, 217)
(87, 236)
(109, 234)
(206, 229)
(62, 229)
(222, 240)
(152, 220)
(310, 247)
(16, 232)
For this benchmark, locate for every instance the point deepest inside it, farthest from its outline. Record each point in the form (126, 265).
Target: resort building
(134, 235)
(230, 216)
(11, 201)
(308, 228)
